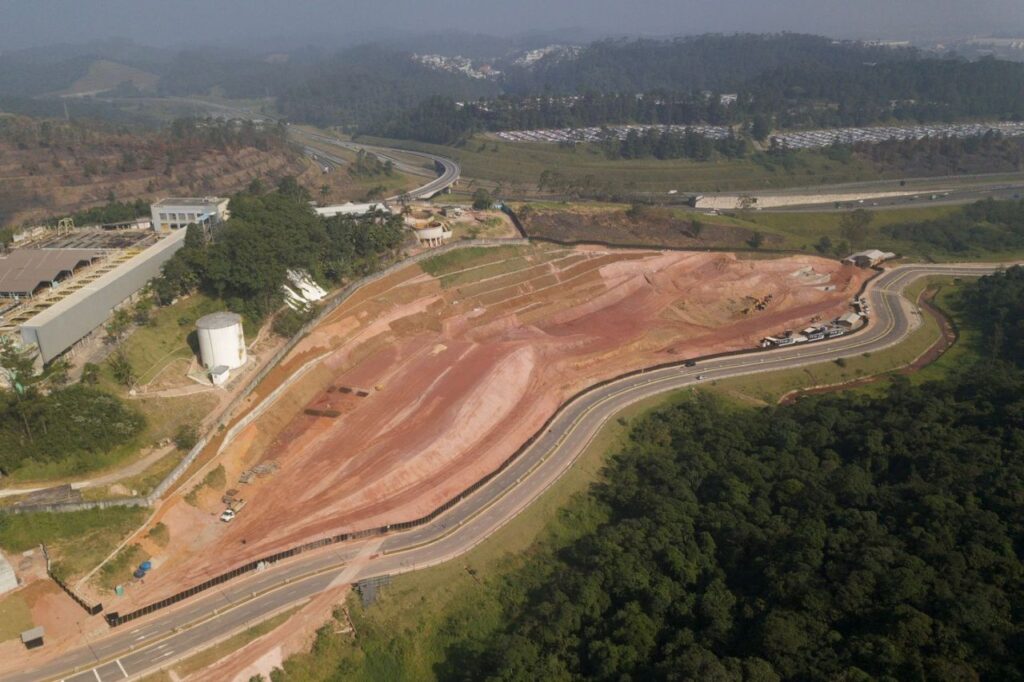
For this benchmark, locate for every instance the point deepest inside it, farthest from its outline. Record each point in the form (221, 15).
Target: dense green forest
(780, 81)
(246, 261)
(986, 225)
(43, 420)
(842, 537)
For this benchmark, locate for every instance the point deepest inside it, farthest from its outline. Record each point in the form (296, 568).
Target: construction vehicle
(231, 512)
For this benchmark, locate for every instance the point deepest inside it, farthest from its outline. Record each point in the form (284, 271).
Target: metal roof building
(68, 321)
(25, 271)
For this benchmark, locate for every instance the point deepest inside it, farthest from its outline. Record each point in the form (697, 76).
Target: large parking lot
(804, 139)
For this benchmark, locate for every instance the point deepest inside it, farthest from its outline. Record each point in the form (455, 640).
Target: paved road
(163, 637)
(447, 171)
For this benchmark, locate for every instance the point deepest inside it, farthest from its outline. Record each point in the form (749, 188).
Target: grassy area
(77, 541)
(216, 479)
(518, 166)
(15, 616)
(404, 635)
(462, 259)
(119, 569)
(151, 347)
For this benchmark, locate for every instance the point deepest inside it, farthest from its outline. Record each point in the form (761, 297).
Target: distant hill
(51, 167)
(104, 75)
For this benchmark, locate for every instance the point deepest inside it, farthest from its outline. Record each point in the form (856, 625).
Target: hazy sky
(25, 23)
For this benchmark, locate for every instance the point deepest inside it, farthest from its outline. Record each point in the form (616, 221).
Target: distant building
(869, 258)
(177, 213)
(348, 208)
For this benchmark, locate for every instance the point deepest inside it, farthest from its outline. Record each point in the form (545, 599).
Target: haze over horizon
(176, 23)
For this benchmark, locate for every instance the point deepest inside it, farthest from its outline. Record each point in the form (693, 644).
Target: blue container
(146, 565)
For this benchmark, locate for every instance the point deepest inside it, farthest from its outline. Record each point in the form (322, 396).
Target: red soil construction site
(428, 383)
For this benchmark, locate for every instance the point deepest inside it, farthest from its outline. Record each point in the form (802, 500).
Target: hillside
(50, 168)
(104, 75)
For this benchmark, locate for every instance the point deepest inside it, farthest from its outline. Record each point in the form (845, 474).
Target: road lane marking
(118, 661)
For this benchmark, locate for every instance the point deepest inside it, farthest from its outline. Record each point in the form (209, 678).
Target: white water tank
(221, 341)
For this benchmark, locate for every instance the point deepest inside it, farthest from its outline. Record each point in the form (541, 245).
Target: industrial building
(349, 208)
(177, 213)
(221, 344)
(24, 272)
(869, 258)
(60, 326)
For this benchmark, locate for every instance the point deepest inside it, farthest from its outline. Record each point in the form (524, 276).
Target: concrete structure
(849, 320)
(221, 341)
(33, 638)
(429, 226)
(435, 234)
(177, 213)
(348, 208)
(66, 322)
(869, 258)
(23, 272)
(8, 580)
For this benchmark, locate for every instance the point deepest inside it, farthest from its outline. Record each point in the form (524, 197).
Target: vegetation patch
(215, 479)
(77, 541)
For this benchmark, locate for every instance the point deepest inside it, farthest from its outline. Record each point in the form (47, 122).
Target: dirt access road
(436, 380)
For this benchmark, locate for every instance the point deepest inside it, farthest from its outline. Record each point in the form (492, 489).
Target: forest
(842, 537)
(986, 225)
(246, 261)
(43, 419)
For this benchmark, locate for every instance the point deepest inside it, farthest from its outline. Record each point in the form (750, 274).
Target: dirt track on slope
(457, 372)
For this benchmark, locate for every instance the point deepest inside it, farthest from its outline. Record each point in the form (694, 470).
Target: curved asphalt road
(447, 170)
(164, 637)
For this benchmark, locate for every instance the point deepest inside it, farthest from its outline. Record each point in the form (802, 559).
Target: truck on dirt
(229, 514)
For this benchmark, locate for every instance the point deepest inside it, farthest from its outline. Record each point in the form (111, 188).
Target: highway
(446, 170)
(164, 637)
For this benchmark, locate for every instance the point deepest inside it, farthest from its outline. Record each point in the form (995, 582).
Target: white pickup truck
(231, 512)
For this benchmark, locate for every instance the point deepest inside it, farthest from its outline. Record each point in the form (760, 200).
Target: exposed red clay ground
(458, 374)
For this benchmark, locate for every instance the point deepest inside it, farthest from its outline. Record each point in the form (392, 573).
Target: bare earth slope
(458, 372)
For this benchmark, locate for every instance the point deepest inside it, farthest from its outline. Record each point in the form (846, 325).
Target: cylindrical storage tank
(221, 341)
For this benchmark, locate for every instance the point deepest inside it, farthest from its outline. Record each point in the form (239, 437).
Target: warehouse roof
(189, 201)
(23, 270)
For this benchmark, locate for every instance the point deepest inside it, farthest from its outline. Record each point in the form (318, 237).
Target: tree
(760, 127)
(482, 199)
(121, 368)
(289, 187)
(17, 363)
(855, 226)
(325, 191)
(756, 240)
(118, 325)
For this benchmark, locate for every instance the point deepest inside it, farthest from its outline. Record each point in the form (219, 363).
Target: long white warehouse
(68, 321)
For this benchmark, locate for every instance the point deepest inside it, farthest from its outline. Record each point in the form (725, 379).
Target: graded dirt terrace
(425, 384)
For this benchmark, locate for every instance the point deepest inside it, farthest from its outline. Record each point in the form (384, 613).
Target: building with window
(177, 213)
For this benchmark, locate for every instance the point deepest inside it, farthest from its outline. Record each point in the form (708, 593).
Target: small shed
(849, 320)
(32, 638)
